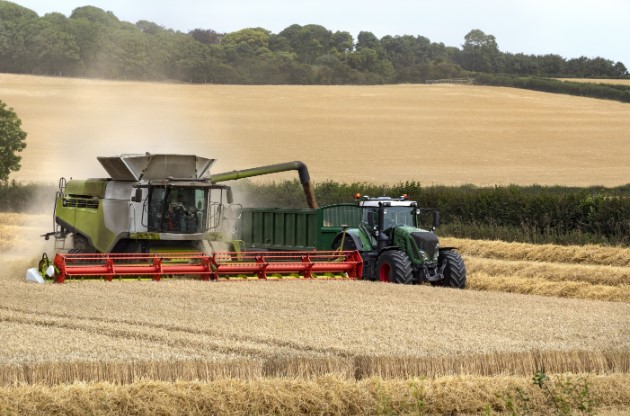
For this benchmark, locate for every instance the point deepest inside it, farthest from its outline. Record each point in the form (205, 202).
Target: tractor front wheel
(394, 266)
(454, 270)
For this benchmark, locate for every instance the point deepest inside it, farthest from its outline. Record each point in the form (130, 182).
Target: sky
(570, 28)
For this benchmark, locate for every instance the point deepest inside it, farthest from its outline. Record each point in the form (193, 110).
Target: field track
(435, 134)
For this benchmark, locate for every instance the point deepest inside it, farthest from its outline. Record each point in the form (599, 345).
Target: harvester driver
(178, 213)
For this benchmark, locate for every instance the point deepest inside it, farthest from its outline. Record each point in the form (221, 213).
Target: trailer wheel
(454, 270)
(394, 266)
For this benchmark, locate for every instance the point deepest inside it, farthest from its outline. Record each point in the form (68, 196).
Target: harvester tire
(454, 270)
(81, 244)
(394, 266)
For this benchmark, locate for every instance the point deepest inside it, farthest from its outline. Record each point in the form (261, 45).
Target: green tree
(254, 38)
(95, 15)
(368, 40)
(11, 141)
(480, 52)
(206, 36)
(342, 42)
(311, 41)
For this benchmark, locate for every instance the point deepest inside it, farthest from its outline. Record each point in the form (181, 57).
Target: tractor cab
(381, 215)
(395, 212)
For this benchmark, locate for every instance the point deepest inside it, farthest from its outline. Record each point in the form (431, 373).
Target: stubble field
(348, 347)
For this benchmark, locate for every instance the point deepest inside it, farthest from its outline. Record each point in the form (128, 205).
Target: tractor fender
(352, 241)
(389, 248)
(448, 248)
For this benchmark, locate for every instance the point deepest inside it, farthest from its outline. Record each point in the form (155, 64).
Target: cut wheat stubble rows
(587, 272)
(324, 395)
(586, 254)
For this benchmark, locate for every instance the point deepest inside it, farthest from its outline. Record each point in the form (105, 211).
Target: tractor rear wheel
(394, 266)
(454, 271)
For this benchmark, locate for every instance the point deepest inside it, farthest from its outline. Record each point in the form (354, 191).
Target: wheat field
(435, 134)
(330, 347)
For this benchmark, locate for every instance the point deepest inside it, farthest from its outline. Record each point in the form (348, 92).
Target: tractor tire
(454, 271)
(394, 266)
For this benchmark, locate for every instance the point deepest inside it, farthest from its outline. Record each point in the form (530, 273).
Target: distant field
(598, 81)
(436, 134)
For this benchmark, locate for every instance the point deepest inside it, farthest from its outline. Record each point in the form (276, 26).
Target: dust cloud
(21, 243)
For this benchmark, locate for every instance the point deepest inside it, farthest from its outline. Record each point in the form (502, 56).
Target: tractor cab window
(178, 209)
(394, 216)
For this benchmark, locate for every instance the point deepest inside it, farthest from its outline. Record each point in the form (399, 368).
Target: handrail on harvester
(306, 264)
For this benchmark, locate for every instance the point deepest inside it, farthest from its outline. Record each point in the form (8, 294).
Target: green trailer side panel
(279, 229)
(295, 229)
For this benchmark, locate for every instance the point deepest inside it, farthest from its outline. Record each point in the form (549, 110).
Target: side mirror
(138, 196)
(436, 218)
(230, 196)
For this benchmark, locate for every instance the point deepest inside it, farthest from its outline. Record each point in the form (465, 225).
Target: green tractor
(395, 249)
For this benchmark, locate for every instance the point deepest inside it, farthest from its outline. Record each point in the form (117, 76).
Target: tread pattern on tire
(455, 270)
(400, 266)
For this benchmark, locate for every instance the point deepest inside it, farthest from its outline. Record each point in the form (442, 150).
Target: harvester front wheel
(81, 244)
(394, 266)
(454, 270)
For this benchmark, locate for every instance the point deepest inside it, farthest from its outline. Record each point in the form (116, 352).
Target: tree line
(92, 42)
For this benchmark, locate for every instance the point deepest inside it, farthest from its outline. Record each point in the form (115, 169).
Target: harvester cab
(395, 248)
(150, 203)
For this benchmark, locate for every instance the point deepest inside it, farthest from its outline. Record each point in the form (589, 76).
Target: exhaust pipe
(301, 168)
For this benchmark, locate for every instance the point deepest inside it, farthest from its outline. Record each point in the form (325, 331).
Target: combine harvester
(164, 215)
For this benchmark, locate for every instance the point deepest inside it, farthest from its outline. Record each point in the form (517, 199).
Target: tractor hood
(133, 168)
